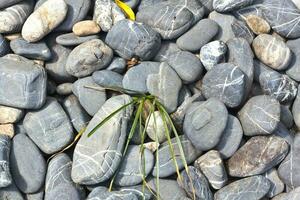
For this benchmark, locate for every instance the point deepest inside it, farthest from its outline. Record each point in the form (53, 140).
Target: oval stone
(70, 39)
(230, 5)
(86, 27)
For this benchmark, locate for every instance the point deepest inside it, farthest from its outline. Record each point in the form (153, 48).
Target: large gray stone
(167, 49)
(5, 175)
(65, 192)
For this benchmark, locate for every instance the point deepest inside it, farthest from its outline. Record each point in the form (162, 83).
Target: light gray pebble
(107, 78)
(70, 39)
(277, 186)
(117, 65)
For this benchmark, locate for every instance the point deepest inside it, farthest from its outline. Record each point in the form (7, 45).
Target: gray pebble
(10, 114)
(5, 176)
(293, 70)
(7, 3)
(293, 194)
(145, 3)
(132, 3)
(241, 30)
(70, 39)
(107, 78)
(166, 50)
(277, 186)
(296, 108)
(35, 196)
(117, 65)
(64, 89)
(11, 193)
(4, 46)
(194, 6)
(284, 133)
(156, 127)
(65, 192)
(230, 5)
(103, 194)
(143, 193)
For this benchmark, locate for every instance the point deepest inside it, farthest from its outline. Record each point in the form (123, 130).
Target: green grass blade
(116, 89)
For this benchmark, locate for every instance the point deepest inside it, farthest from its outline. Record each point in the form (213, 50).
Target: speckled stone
(86, 27)
(277, 186)
(7, 129)
(5, 175)
(70, 39)
(230, 5)
(107, 78)
(11, 193)
(257, 24)
(10, 114)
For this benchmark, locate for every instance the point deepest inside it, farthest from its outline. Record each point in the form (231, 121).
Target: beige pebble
(87, 27)
(152, 146)
(7, 129)
(13, 36)
(257, 24)
(9, 114)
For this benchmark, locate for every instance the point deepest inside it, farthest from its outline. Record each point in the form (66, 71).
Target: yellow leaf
(126, 9)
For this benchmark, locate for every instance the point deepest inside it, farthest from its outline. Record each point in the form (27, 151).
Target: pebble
(39, 50)
(194, 6)
(103, 194)
(7, 3)
(70, 39)
(132, 3)
(254, 187)
(260, 115)
(156, 127)
(277, 186)
(10, 114)
(166, 50)
(213, 53)
(7, 129)
(104, 147)
(35, 196)
(205, 122)
(64, 89)
(4, 46)
(132, 39)
(241, 30)
(230, 5)
(257, 24)
(65, 192)
(225, 82)
(88, 57)
(84, 28)
(5, 175)
(117, 65)
(44, 19)
(140, 191)
(11, 192)
(271, 51)
(107, 78)
(199, 35)
(212, 166)
(286, 116)
(295, 110)
(257, 155)
(28, 166)
(294, 67)
(29, 83)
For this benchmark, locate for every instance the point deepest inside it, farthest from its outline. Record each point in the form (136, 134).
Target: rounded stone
(107, 78)
(166, 50)
(230, 5)
(70, 39)
(293, 70)
(257, 24)
(117, 65)
(64, 89)
(11, 192)
(156, 127)
(4, 46)
(7, 3)
(87, 27)
(277, 186)
(65, 192)
(10, 114)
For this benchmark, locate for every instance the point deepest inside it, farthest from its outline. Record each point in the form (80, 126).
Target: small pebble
(87, 27)
(257, 24)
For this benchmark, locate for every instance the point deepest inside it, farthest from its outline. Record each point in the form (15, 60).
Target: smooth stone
(117, 65)
(65, 192)
(107, 13)
(257, 155)
(167, 49)
(159, 16)
(260, 115)
(284, 133)
(90, 99)
(13, 17)
(88, 57)
(135, 166)
(254, 188)
(86, 27)
(104, 147)
(199, 35)
(132, 3)
(225, 82)
(286, 116)
(296, 109)
(259, 68)
(23, 83)
(78, 116)
(70, 39)
(7, 129)
(231, 138)
(293, 194)
(145, 3)
(156, 127)
(132, 39)
(272, 52)
(10, 114)
(257, 24)
(195, 184)
(211, 165)
(7, 3)
(205, 122)
(28, 166)
(102, 193)
(64, 89)
(293, 70)
(44, 19)
(19, 128)
(282, 17)
(230, 5)
(254, 9)
(277, 186)
(11, 193)
(166, 164)
(143, 193)
(35, 196)
(107, 78)
(165, 85)
(5, 175)
(290, 167)
(4, 46)
(186, 65)
(194, 6)
(241, 30)
(213, 53)
(135, 78)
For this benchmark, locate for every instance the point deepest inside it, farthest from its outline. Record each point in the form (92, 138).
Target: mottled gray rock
(156, 127)
(88, 57)
(134, 167)
(64, 89)
(230, 5)
(211, 165)
(293, 70)
(38, 51)
(70, 39)
(260, 115)
(254, 188)
(90, 99)
(28, 166)
(212, 54)
(165, 85)
(272, 51)
(4, 46)
(257, 155)
(107, 78)
(49, 128)
(96, 158)
(195, 184)
(143, 193)
(65, 192)
(117, 65)
(277, 186)
(11, 193)
(205, 122)
(23, 83)
(78, 116)
(13, 17)
(241, 30)
(5, 176)
(199, 35)
(130, 39)
(187, 66)
(166, 164)
(103, 194)
(225, 82)
(10, 114)
(166, 50)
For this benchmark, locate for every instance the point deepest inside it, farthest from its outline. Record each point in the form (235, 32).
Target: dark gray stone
(7, 3)
(11, 193)
(117, 65)
(194, 6)
(70, 39)
(143, 193)
(166, 50)
(284, 133)
(28, 166)
(241, 30)
(296, 109)
(103, 194)
(293, 70)
(230, 5)
(107, 78)
(277, 186)
(5, 176)
(4, 46)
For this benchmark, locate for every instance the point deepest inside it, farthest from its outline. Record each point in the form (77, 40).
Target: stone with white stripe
(5, 175)
(277, 186)
(230, 5)
(102, 193)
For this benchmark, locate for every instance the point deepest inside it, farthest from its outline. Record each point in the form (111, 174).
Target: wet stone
(5, 175)
(70, 39)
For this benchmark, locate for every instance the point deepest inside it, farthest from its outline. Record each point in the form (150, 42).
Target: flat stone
(260, 115)
(166, 50)
(104, 147)
(199, 35)
(132, 39)
(211, 165)
(88, 57)
(225, 82)
(134, 166)
(23, 83)
(213, 53)
(86, 27)
(271, 51)
(70, 39)
(156, 127)
(107, 78)
(254, 188)
(205, 122)
(11, 193)
(277, 186)
(64, 89)
(5, 175)
(117, 65)
(257, 155)
(10, 114)
(28, 166)
(44, 19)
(294, 68)
(103, 194)
(257, 24)
(195, 184)
(230, 5)
(241, 30)
(90, 99)
(4, 46)
(166, 164)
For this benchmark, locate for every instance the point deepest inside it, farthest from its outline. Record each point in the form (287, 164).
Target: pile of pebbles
(227, 71)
